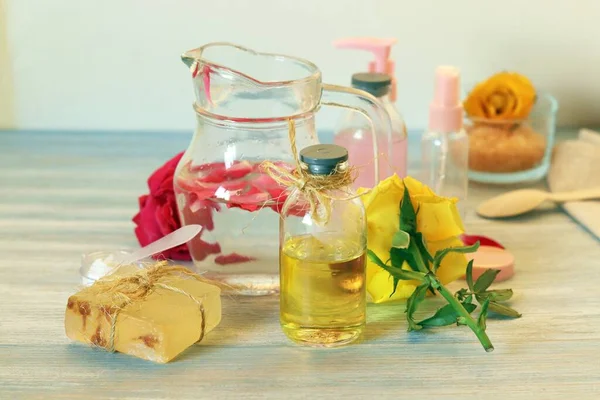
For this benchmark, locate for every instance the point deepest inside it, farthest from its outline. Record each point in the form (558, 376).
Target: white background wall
(114, 64)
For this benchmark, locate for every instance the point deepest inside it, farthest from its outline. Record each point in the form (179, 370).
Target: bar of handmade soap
(156, 327)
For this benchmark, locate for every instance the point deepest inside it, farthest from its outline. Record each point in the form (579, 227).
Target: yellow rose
(504, 96)
(437, 219)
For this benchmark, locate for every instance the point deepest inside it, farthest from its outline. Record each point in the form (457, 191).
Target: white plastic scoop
(173, 239)
(100, 263)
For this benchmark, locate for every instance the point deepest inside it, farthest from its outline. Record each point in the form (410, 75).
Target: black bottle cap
(322, 159)
(374, 83)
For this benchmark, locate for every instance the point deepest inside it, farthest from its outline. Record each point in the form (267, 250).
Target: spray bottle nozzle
(381, 49)
(445, 111)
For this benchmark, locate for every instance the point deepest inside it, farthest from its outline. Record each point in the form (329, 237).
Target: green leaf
(483, 315)
(404, 274)
(485, 280)
(419, 262)
(504, 310)
(462, 294)
(373, 257)
(420, 241)
(469, 275)
(400, 240)
(396, 273)
(440, 254)
(497, 295)
(408, 217)
(411, 306)
(399, 256)
(461, 321)
(395, 282)
(445, 315)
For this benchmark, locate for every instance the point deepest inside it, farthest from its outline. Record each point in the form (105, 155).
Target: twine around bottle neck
(317, 189)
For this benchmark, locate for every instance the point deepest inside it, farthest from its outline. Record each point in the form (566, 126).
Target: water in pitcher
(244, 103)
(238, 208)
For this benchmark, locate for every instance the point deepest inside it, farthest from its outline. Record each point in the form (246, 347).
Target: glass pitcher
(244, 100)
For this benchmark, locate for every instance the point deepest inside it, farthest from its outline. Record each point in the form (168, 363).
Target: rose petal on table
(470, 240)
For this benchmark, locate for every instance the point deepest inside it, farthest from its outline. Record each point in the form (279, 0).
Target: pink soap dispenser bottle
(380, 82)
(445, 146)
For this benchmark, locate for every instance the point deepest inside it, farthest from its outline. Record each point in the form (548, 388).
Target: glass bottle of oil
(322, 265)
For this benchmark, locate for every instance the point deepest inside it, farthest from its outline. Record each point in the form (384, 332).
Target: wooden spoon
(521, 201)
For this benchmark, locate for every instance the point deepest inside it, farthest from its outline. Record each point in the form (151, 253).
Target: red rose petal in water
(213, 172)
(249, 202)
(277, 192)
(201, 212)
(238, 170)
(218, 172)
(203, 190)
(230, 186)
(184, 184)
(249, 195)
(196, 206)
(233, 258)
(265, 183)
(200, 249)
(204, 215)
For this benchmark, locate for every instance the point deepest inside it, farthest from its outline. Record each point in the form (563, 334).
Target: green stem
(453, 301)
(469, 321)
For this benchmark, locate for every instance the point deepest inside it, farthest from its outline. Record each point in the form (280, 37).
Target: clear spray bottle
(445, 146)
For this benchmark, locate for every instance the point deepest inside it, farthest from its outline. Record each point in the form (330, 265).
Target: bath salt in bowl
(513, 151)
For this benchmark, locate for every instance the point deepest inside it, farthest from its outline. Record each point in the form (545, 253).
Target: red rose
(158, 215)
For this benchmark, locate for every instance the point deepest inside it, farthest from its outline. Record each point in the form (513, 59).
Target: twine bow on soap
(115, 292)
(314, 187)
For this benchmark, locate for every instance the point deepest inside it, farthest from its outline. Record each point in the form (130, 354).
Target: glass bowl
(504, 152)
(97, 264)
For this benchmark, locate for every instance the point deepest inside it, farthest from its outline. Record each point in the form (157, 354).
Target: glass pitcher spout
(235, 83)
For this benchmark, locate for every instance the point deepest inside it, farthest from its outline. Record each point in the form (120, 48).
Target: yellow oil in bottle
(322, 292)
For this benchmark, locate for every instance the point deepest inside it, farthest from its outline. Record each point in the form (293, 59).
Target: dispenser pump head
(446, 111)
(381, 49)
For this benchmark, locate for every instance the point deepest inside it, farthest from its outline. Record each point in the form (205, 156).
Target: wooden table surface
(64, 194)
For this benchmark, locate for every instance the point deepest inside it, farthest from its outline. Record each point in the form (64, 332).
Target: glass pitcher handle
(367, 105)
